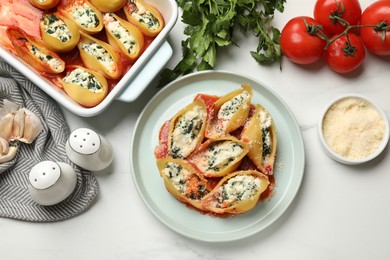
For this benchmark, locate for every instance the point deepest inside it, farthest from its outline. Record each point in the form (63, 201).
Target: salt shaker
(51, 182)
(89, 150)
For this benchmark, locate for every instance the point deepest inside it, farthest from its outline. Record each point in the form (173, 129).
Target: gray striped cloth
(15, 201)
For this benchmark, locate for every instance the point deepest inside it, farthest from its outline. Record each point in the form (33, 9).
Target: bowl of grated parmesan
(353, 129)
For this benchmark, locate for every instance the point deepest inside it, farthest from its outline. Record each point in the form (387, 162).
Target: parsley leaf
(210, 25)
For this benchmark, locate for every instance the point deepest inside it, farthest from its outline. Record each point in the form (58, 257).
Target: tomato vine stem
(380, 27)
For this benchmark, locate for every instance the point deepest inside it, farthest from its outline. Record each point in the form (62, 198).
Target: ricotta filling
(185, 135)
(238, 188)
(219, 155)
(84, 79)
(85, 16)
(266, 120)
(143, 15)
(56, 28)
(54, 63)
(101, 55)
(120, 32)
(229, 108)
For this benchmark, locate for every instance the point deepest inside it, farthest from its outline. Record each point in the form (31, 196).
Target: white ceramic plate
(289, 167)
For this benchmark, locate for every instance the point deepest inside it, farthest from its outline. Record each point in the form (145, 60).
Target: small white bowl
(343, 159)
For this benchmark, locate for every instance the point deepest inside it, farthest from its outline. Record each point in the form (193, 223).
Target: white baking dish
(133, 82)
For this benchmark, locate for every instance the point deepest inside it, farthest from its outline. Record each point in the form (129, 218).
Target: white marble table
(340, 212)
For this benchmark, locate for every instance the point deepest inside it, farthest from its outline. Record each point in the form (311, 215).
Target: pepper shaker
(89, 150)
(51, 182)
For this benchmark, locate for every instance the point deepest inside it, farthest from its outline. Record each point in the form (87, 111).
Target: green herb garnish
(210, 25)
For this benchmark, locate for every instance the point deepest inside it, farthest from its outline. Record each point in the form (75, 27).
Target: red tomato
(298, 43)
(376, 39)
(348, 10)
(343, 56)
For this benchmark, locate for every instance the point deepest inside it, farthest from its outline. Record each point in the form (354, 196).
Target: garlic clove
(18, 125)
(32, 127)
(4, 146)
(6, 124)
(10, 155)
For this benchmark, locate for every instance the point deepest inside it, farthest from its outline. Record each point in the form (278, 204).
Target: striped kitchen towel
(15, 201)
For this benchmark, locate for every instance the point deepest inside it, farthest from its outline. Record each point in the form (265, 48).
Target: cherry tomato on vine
(345, 53)
(328, 12)
(299, 42)
(377, 38)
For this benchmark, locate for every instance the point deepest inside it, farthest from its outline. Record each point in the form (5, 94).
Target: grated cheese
(353, 128)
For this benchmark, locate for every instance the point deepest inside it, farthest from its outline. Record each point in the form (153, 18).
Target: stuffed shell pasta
(228, 144)
(87, 17)
(218, 157)
(183, 181)
(186, 130)
(260, 133)
(124, 36)
(86, 87)
(236, 193)
(230, 112)
(100, 56)
(59, 33)
(33, 52)
(145, 16)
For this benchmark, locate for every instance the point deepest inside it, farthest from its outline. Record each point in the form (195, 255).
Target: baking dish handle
(147, 73)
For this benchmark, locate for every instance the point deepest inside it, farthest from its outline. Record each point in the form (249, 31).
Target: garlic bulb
(18, 124)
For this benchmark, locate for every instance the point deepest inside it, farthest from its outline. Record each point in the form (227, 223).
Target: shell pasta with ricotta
(217, 154)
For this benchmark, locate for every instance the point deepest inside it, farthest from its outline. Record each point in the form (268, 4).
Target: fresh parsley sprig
(210, 25)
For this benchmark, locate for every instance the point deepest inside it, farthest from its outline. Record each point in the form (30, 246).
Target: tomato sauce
(22, 14)
(208, 100)
(161, 149)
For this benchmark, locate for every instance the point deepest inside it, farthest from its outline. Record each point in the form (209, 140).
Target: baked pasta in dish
(226, 146)
(60, 34)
